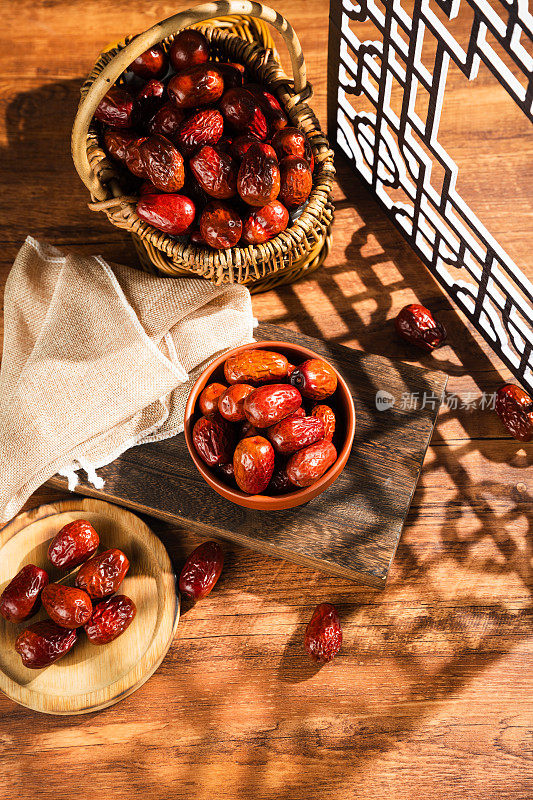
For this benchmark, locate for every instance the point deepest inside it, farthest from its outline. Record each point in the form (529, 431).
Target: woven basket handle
(153, 36)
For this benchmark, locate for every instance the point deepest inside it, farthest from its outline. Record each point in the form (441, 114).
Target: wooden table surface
(431, 694)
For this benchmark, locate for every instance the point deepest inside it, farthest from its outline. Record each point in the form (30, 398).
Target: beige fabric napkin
(99, 358)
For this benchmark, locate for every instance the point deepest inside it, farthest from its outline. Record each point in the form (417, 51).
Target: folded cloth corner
(98, 358)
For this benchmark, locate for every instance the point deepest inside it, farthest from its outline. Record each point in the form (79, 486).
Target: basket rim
(292, 242)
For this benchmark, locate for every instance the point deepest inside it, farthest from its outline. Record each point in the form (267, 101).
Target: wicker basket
(242, 36)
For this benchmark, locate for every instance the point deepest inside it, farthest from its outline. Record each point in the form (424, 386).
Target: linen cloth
(98, 358)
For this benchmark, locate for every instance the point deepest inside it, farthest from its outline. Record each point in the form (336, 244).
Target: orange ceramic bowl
(344, 410)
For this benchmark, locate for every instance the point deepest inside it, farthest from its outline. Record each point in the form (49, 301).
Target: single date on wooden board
(353, 528)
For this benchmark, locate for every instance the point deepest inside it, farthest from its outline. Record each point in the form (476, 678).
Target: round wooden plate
(90, 677)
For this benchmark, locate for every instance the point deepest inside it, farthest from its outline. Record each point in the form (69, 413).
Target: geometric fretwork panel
(395, 147)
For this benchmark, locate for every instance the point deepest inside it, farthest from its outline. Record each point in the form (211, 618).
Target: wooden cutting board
(353, 528)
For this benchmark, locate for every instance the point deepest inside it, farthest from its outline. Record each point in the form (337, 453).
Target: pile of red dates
(267, 429)
(218, 162)
(90, 604)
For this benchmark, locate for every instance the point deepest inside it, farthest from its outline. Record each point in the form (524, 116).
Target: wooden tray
(90, 677)
(353, 528)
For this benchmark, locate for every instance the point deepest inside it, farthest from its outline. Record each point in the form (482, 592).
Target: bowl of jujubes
(270, 425)
(210, 154)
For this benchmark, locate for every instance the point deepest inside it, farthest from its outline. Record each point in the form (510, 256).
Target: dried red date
(133, 157)
(43, 643)
(280, 483)
(171, 213)
(75, 542)
(147, 187)
(166, 121)
(66, 606)
(315, 379)
(308, 465)
(514, 406)
(323, 635)
(269, 105)
(21, 598)
(215, 171)
(204, 127)
(227, 473)
(326, 414)
(416, 325)
(201, 571)
(295, 433)
(199, 197)
(232, 74)
(117, 109)
(270, 404)
(117, 143)
(242, 112)
(196, 86)
(213, 440)
(110, 619)
(296, 181)
(196, 238)
(266, 149)
(189, 49)
(150, 64)
(208, 400)
(255, 366)
(163, 163)
(231, 402)
(298, 414)
(258, 181)
(220, 226)
(241, 144)
(239, 67)
(152, 90)
(247, 429)
(150, 98)
(253, 464)
(103, 573)
(264, 223)
(293, 142)
(224, 145)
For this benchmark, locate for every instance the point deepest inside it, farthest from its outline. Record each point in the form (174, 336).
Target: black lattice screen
(396, 150)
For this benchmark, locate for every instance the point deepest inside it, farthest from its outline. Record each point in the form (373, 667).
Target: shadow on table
(443, 636)
(42, 192)
(404, 653)
(425, 645)
(364, 280)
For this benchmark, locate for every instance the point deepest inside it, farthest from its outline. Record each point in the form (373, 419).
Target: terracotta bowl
(341, 400)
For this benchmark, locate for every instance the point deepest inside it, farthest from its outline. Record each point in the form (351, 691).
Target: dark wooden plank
(354, 527)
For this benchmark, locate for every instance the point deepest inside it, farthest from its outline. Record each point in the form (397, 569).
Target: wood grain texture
(90, 677)
(353, 528)
(430, 696)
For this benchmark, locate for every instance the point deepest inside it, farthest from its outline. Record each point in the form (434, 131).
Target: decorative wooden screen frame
(494, 294)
